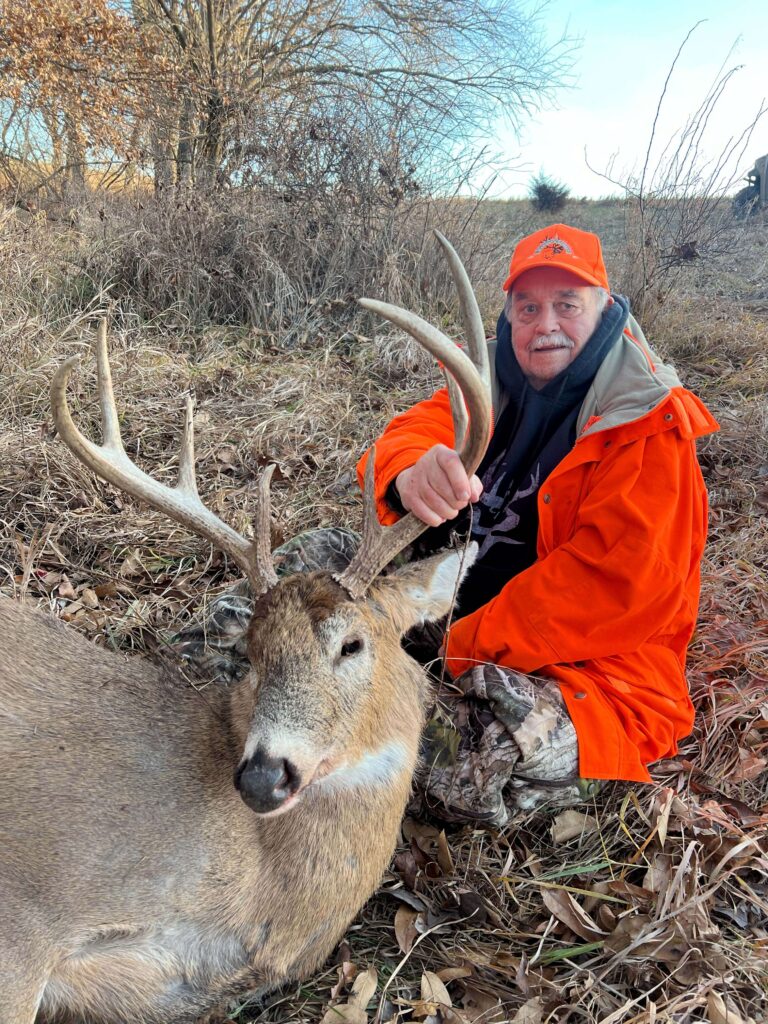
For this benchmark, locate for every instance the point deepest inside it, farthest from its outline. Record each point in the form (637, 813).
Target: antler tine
(180, 503)
(471, 320)
(458, 409)
(380, 544)
(110, 422)
(262, 546)
(472, 323)
(475, 392)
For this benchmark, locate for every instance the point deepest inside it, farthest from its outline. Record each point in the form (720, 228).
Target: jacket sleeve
(617, 575)
(402, 444)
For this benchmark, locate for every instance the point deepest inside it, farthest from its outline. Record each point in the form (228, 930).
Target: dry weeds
(650, 905)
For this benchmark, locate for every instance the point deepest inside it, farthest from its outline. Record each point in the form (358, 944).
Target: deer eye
(351, 647)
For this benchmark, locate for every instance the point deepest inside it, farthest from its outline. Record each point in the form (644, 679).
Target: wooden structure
(754, 196)
(758, 178)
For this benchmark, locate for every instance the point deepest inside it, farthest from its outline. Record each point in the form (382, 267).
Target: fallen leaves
(565, 908)
(571, 823)
(719, 1012)
(530, 1012)
(354, 1010)
(434, 997)
(406, 931)
(750, 766)
(433, 1005)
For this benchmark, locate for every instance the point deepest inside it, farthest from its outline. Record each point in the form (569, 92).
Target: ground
(648, 905)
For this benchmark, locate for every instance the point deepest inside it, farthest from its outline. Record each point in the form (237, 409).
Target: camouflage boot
(505, 744)
(214, 644)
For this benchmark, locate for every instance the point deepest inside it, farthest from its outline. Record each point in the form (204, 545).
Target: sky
(625, 52)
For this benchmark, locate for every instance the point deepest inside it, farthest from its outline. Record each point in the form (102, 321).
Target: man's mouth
(551, 344)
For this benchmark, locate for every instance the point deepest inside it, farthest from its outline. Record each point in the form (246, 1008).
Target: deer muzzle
(267, 783)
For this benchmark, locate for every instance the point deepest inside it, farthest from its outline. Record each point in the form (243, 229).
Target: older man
(570, 635)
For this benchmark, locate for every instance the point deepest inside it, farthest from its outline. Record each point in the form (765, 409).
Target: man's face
(553, 314)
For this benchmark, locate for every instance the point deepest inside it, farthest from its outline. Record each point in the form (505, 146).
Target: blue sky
(624, 57)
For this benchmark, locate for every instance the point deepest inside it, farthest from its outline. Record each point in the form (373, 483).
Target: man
(570, 633)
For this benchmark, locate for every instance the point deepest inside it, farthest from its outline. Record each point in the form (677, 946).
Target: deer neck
(328, 854)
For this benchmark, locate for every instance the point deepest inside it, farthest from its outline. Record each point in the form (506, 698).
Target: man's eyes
(564, 308)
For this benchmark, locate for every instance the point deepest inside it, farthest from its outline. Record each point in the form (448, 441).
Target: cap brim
(577, 272)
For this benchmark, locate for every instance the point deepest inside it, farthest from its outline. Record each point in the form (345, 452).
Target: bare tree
(245, 65)
(71, 80)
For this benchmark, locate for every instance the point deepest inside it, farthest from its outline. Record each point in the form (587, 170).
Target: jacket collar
(630, 383)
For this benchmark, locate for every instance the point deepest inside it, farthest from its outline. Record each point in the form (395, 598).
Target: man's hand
(437, 487)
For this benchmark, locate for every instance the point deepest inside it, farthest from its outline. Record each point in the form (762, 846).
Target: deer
(163, 851)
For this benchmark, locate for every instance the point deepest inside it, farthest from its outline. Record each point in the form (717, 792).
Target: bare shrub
(677, 209)
(40, 302)
(291, 267)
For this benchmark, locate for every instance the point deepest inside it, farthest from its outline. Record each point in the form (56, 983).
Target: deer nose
(266, 782)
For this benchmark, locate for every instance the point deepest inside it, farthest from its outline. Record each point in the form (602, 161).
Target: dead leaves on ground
(354, 1009)
(97, 605)
(528, 943)
(432, 1005)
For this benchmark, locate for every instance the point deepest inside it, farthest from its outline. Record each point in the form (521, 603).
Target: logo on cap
(554, 246)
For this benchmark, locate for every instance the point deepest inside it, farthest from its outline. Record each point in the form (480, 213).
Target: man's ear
(422, 591)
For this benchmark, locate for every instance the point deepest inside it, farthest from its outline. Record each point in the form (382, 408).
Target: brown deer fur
(136, 885)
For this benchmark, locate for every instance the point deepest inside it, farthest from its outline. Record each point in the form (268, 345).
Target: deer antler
(182, 502)
(380, 544)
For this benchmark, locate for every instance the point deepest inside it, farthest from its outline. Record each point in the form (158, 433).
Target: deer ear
(423, 591)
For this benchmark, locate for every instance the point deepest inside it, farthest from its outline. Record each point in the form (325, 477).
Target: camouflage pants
(497, 742)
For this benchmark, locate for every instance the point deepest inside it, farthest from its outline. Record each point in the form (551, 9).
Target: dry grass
(655, 908)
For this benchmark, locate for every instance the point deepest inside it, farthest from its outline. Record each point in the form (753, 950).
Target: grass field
(648, 906)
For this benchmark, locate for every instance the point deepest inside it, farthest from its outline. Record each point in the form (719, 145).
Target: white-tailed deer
(162, 850)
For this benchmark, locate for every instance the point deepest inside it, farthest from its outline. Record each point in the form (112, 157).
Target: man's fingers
(476, 487)
(420, 498)
(436, 488)
(428, 515)
(451, 465)
(436, 503)
(438, 483)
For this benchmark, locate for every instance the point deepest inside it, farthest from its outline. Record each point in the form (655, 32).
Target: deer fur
(136, 883)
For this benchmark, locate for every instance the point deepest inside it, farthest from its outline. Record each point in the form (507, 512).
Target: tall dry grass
(291, 266)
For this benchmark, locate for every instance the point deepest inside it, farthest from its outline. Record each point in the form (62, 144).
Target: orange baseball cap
(560, 246)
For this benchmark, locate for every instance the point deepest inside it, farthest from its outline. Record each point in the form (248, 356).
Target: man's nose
(548, 322)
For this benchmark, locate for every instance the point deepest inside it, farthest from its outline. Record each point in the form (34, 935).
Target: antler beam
(472, 377)
(180, 503)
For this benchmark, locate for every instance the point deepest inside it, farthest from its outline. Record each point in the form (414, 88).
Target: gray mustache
(559, 340)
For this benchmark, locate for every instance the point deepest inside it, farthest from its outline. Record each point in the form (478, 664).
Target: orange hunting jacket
(609, 607)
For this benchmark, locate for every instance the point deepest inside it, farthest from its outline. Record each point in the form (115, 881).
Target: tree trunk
(185, 152)
(211, 149)
(74, 173)
(162, 159)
